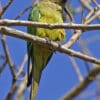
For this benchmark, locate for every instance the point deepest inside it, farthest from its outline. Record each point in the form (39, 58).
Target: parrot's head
(60, 2)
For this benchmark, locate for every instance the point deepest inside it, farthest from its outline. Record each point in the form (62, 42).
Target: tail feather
(34, 89)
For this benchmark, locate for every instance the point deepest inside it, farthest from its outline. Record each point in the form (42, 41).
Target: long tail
(34, 89)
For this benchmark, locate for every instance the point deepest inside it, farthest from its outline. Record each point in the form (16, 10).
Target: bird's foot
(48, 41)
(59, 44)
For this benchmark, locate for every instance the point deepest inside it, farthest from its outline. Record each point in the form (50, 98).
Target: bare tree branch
(1, 9)
(77, 90)
(43, 42)
(96, 3)
(76, 68)
(92, 39)
(1, 56)
(7, 5)
(86, 4)
(93, 17)
(3, 65)
(86, 94)
(78, 33)
(12, 90)
(22, 12)
(73, 39)
(22, 66)
(6, 22)
(21, 88)
(11, 65)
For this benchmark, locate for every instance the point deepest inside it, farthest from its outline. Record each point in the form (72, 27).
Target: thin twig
(1, 56)
(22, 66)
(69, 14)
(92, 13)
(73, 39)
(17, 68)
(93, 17)
(11, 65)
(92, 39)
(85, 50)
(96, 3)
(98, 87)
(3, 65)
(12, 91)
(1, 9)
(22, 12)
(76, 68)
(21, 88)
(87, 94)
(77, 89)
(86, 4)
(6, 6)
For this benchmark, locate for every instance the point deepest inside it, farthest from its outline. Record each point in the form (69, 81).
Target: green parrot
(47, 11)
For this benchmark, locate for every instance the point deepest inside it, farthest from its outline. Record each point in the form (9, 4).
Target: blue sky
(59, 76)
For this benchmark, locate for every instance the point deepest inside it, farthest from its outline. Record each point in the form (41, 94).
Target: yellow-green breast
(50, 13)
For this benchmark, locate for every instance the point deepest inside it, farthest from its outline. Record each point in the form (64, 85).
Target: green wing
(33, 16)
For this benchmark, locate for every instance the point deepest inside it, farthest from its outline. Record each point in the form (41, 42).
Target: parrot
(46, 11)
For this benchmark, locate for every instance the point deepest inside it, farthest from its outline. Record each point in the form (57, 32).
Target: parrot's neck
(59, 2)
(51, 5)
